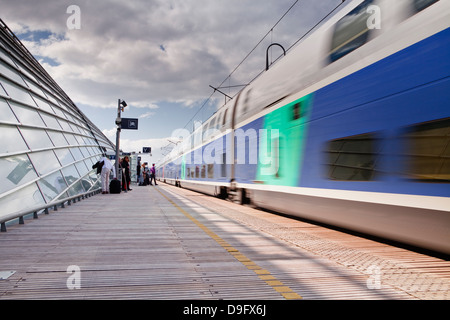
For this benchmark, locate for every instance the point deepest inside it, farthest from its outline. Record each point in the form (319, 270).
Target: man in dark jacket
(127, 180)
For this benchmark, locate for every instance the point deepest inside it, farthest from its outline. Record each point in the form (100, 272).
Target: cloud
(110, 133)
(147, 115)
(144, 105)
(147, 50)
(154, 52)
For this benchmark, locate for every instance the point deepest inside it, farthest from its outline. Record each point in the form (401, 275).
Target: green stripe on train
(281, 153)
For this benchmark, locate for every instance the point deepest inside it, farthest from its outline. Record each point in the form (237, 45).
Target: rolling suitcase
(115, 187)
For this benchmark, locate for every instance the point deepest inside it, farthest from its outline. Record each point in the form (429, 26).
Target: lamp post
(121, 104)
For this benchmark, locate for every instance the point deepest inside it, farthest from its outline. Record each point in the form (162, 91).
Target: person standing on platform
(146, 174)
(153, 174)
(105, 173)
(138, 172)
(127, 181)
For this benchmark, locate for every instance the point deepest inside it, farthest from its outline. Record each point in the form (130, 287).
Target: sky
(160, 56)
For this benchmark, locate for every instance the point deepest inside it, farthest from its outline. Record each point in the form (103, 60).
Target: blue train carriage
(351, 128)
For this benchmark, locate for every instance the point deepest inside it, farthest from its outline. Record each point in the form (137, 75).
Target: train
(351, 128)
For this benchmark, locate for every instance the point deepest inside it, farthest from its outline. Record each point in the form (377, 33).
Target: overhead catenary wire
(260, 41)
(256, 46)
(240, 63)
(302, 37)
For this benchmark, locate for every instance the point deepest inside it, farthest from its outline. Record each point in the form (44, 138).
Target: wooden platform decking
(158, 243)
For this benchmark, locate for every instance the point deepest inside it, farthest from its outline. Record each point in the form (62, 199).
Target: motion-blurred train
(351, 128)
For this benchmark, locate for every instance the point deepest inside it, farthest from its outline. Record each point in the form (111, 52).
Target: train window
(351, 32)
(429, 151)
(210, 171)
(224, 165)
(224, 118)
(218, 122)
(203, 173)
(297, 109)
(420, 5)
(246, 101)
(353, 158)
(212, 125)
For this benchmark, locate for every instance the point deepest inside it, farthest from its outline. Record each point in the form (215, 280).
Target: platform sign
(129, 124)
(146, 150)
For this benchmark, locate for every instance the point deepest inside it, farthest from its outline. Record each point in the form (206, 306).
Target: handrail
(36, 209)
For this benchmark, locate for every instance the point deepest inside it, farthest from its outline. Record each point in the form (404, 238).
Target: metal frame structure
(49, 145)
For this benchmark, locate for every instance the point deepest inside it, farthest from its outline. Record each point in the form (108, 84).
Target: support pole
(118, 123)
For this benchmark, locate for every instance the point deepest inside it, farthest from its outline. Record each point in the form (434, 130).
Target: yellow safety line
(263, 274)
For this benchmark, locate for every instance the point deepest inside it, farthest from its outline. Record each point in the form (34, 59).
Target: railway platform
(166, 243)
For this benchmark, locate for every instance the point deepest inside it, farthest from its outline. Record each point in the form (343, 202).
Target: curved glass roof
(47, 145)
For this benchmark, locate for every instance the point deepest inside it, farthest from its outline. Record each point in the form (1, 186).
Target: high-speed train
(351, 128)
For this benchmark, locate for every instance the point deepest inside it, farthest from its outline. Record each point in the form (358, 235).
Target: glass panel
(43, 104)
(75, 128)
(77, 188)
(82, 168)
(71, 174)
(353, 158)
(11, 140)
(15, 171)
(92, 142)
(57, 138)
(2, 90)
(44, 161)
(32, 86)
(351, 174)
(27, 116)
(351, 32)
(91, 161)
(420, 5)
(297, 111)
(85, 151)
(64, 156)
(18, 93)
(58, 111)
(428, 152)
(52, 99)
(22, 199)
(69, 116)
(36, 139)
(52, 185)
(87, 182)
(358, 146)
(65, 125)
(91, 180)
(5, 112)
(5, 56)
(97, 185)
(10, 73)
(71, 139)
(79, 140)
(95, 151)
(26, 75)
(77, 153)
(50, 121)
(210, 171)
